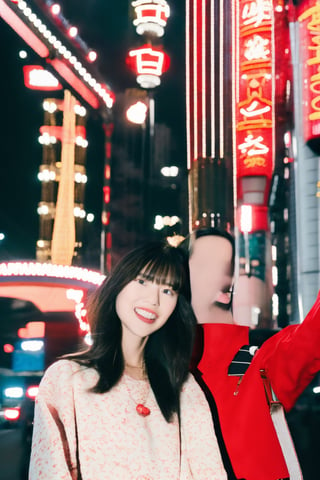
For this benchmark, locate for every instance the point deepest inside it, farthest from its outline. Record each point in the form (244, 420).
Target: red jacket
(291, 358)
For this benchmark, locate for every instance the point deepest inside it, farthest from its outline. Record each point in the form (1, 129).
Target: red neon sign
(148, 60)
(309, 20)
(22, 30)
(251, 218)
(151, 10)
(151, 16)
(74, 81)
(255, 89)
(37, 78)
(149, 63)
(106, 194)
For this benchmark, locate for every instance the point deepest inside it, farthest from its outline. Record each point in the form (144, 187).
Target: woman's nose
(155, 294)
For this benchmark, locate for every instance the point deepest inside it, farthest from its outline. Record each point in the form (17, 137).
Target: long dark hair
(168, 351)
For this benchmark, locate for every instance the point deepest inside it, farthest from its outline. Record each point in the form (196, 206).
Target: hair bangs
(164, 272)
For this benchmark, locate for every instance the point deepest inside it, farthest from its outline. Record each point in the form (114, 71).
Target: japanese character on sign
(254, 13)
(253, 146)
(257, 48)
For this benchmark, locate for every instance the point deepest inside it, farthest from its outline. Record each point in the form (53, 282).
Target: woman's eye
(168, 291)
(141, 281)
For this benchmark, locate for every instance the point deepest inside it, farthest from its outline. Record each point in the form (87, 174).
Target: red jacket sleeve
(291, 358)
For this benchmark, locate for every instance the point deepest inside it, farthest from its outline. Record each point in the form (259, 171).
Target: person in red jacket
(290, 358)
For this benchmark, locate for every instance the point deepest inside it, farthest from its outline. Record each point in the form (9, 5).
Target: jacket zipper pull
(238, 385)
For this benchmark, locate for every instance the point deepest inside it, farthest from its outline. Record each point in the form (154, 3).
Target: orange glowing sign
(309, 20)
(32, 330)
(254, 88)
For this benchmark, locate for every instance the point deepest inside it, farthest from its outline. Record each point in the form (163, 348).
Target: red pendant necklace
(143, 392)
(143, 410)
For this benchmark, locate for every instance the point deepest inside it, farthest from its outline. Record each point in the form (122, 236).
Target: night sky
(107, 28)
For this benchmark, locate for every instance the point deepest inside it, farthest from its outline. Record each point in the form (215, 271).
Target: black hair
(167, 351)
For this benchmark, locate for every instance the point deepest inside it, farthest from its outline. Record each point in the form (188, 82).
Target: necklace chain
(140, 405)
(135, 366)
(137, 369)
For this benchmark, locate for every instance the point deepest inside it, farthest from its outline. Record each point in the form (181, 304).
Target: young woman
(127, 408)
(223, 364)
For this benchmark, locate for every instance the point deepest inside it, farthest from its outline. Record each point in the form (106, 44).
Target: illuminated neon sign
(254, 105)
(33, 30)
(151, 16)
(309, 20)
(149, 64)
(37, 78)
(48, 270)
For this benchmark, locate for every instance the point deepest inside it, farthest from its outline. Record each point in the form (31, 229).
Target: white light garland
(48, 270)
(63, 50)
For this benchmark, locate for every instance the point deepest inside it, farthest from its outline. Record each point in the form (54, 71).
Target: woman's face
(211, 279)
(143, 306)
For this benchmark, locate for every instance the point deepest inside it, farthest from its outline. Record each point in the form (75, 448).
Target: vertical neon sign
(254, 84)
(309, 20)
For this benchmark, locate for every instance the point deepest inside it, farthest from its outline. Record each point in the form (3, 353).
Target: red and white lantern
(151, 16)
(149, 63)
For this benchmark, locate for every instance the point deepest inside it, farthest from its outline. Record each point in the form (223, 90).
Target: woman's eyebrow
(158, 279)
(147, 276)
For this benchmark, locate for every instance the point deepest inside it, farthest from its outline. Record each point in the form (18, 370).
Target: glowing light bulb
(55, 9)
(92, 56)
(73, 32)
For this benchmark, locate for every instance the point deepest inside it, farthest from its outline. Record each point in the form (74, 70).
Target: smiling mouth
(145, 315)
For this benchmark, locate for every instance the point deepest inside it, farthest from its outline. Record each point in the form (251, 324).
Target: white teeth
(146, 314)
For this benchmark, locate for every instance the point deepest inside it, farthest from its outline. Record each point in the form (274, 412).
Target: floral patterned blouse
(104, 434)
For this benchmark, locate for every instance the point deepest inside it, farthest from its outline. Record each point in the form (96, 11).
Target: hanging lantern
(151, 16)
(149, 64)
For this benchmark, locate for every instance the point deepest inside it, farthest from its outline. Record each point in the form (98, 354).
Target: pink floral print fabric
(114, 441)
